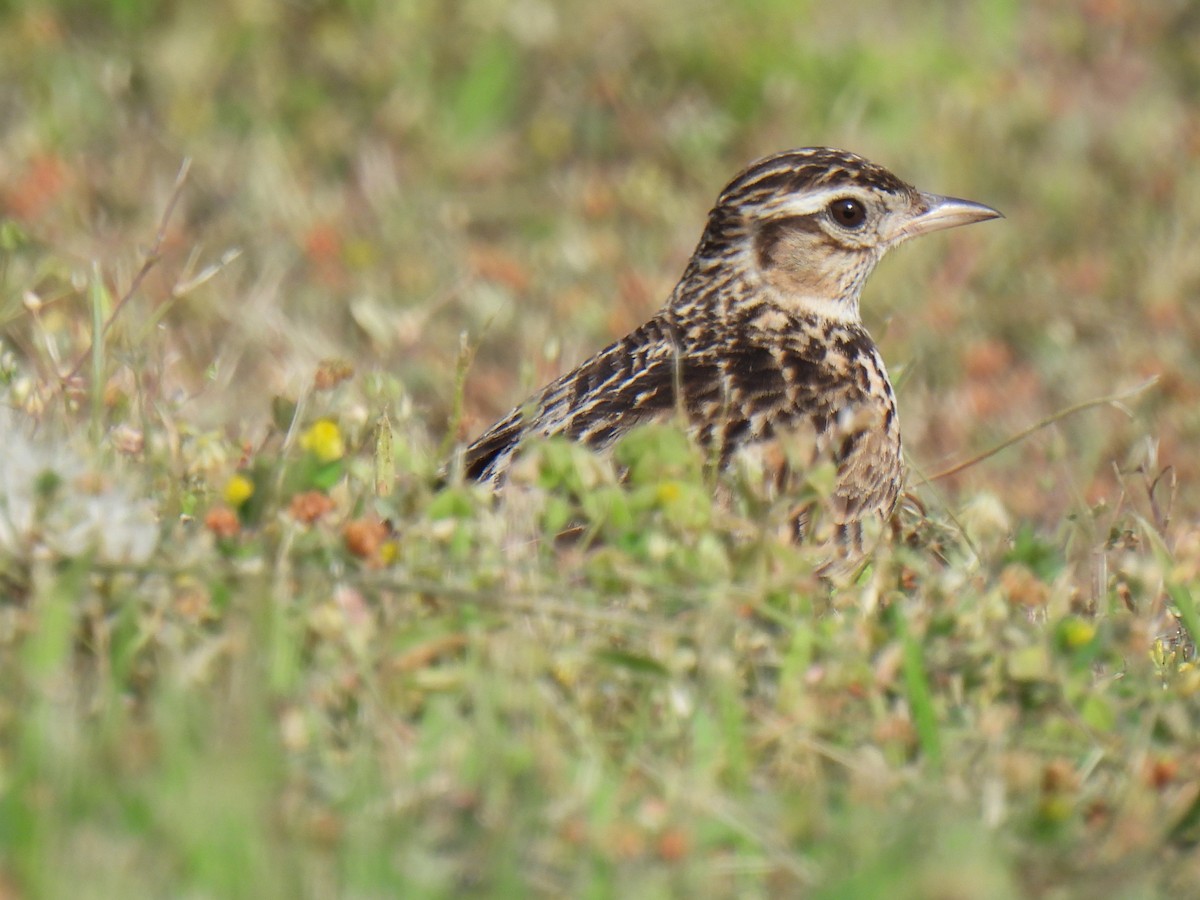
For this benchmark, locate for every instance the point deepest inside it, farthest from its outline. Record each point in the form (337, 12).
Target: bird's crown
(809, 169)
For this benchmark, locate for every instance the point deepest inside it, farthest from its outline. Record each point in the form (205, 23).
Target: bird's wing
(801, 392)
(626, 384)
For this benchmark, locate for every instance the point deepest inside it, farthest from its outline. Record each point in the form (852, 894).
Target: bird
(761, 342)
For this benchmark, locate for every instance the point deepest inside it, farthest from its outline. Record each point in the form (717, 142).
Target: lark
(760, 343)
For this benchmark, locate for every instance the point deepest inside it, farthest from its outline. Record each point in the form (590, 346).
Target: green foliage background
(482, 193)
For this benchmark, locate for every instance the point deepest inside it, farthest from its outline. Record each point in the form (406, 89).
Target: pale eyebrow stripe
(811, 202)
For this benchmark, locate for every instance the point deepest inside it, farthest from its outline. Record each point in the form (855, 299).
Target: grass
(249, 647)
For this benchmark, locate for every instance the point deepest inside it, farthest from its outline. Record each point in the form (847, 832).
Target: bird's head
(811, 224)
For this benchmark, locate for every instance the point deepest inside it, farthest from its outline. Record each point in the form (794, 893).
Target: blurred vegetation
(248, 647)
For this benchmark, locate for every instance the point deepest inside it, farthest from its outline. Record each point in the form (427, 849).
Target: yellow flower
(669, 492)
(1160, 654)
(1076, 633)
(1055, 809)
(238, 490)
(324, 441)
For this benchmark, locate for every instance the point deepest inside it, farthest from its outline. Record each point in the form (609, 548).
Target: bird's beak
(945, 212)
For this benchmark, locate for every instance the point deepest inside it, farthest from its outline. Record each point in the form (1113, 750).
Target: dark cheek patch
(764, 246)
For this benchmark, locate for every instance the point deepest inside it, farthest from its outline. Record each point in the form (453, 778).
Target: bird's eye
(848, 212)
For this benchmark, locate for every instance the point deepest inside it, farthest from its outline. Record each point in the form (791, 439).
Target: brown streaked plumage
(761, 338)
